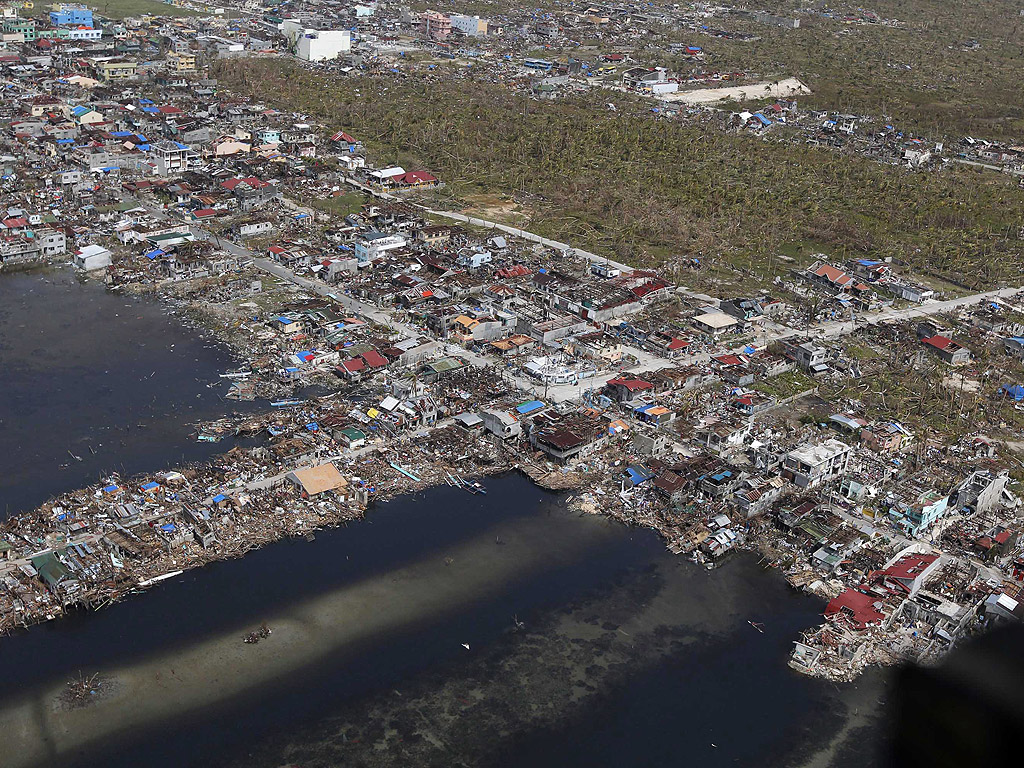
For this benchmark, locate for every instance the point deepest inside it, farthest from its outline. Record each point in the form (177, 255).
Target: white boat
(161, 577)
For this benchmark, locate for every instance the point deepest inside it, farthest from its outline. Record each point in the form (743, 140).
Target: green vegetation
(785, 384)
(341, 206)
(122, 9)
(655, 191)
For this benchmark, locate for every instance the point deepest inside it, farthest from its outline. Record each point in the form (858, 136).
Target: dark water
(633, 656)
(624, 655)
(80, 370)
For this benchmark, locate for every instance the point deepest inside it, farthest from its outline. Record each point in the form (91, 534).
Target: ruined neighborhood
(854, 423)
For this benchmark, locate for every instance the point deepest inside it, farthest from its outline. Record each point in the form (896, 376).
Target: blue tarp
(1016, 391)
(639, 474)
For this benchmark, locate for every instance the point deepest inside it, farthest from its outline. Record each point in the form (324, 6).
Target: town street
(561, 392)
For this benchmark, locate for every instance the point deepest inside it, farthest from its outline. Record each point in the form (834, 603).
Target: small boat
(471, 487)
(284, 403)
(161, 577)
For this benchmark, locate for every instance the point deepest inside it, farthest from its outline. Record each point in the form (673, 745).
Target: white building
(370, 245)
(52, 242)
(92, 257)
(473, 26)
(811, 465)
(171, 157)
(318, 44)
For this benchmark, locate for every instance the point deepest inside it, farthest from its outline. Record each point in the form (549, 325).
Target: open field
(939, 68)
(779, 89)
(120, 9)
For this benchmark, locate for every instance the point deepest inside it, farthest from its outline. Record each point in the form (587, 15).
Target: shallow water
(589, 644)
(80, 370)
(626, 655)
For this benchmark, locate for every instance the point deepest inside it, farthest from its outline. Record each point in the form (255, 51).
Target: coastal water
(93, 383)
(445, 629)
(589, 644)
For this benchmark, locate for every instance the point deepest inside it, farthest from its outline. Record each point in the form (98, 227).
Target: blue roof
(179, 145)
(168, 527)
(529, 407)
(219, 498)
(154, 253)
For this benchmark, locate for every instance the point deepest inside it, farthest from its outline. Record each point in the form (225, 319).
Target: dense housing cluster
(853, 422)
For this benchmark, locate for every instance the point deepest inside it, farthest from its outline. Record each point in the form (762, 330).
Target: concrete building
(982, 491)
(115, 69)
(91, 257)
(947, 350)
(182, 61)
(471, 26)
(434, 25)
(811, 465)
(715, 323)
(52, 242)
(808, 356)
(370, 245)
(501, 423)
(66, 14)
(171, 157)
(321, 44)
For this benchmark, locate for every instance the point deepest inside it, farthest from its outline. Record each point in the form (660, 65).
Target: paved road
(561, 392)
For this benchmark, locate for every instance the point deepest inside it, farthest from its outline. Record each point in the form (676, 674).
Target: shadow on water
(625, 655)
(226, 594)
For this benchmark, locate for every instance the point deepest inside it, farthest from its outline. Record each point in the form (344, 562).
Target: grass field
(120, 9)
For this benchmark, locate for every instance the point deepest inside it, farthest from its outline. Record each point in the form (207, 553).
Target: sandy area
(37, 728)
(767, 90)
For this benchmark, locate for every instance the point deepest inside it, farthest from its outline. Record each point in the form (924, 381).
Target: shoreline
(177, 681)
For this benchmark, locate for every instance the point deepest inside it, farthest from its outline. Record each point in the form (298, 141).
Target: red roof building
(859, 609)
(415, 178)
(375, 359)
